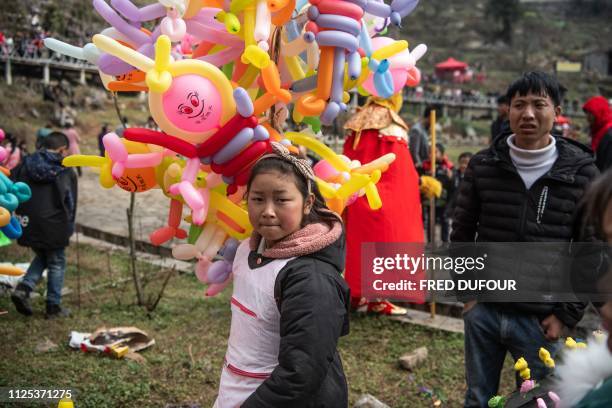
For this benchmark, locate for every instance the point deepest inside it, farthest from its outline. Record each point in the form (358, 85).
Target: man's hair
(440, 147)
(428, 110)
(54, 141)
(466, 154)
(503, 100)
(536, 82)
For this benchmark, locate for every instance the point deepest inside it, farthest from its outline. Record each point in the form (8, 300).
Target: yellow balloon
(249, 23)
(256, 56)
(320, 149)
(390, 50)
(372, 196)
(132, 57)
(327, 191)
(356, 183)
(81, 160)
(294, 68)
(234, 213)
(106, 177)
(238, 5)
(382, 164)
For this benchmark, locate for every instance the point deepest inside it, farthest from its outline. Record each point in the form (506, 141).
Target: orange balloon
(138, 180)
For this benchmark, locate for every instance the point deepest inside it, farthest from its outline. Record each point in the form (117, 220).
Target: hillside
(546, 31)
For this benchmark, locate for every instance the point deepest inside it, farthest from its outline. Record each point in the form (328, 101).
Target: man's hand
(553, 327)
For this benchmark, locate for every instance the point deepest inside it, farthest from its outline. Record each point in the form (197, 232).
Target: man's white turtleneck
(533, 164)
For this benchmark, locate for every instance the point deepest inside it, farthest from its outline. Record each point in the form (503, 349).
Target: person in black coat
(501, 122)
(47, 221)
(525, 187)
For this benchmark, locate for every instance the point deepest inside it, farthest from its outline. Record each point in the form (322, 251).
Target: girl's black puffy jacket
(309, 372)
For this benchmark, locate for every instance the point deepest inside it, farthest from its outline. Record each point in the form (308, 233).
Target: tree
(506, 12)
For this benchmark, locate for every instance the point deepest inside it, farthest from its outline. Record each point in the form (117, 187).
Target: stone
(369, 401)
(412, 360)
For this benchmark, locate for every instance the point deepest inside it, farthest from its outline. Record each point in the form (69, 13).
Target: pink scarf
(308, 240)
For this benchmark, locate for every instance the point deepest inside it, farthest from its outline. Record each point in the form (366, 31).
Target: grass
(191, 334)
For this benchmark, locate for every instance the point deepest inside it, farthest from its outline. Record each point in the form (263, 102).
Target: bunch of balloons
(11, 195)
(213, 70)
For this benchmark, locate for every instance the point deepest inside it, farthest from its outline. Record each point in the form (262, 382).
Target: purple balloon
(230, 150)
(341, 23)
(360, 3)
(330, 113)
(111, 65)
(404, 7)
(395, 18)
(309, 37)
(354, 65)
(260, 133)
(378, 9)
(244, 105)
(313, 13)
(337, 87)
(337, 39)
(204, 32)
(230, 248)
(218, 271)
(130, 11)
(107, 13)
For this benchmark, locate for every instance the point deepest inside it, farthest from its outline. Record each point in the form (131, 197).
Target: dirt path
(105, 209)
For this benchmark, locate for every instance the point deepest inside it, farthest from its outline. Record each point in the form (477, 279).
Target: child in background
(458, 173)
(289, 301)
(47, 220)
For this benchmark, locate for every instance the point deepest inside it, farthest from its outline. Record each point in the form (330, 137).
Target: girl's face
(276, 206)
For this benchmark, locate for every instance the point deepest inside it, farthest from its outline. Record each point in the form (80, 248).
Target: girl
(585, 378)
(289, 302)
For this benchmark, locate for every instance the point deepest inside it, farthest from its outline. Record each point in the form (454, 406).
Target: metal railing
(45, 57)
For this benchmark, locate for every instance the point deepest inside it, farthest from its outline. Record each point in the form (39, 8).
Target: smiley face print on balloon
(188, 99)
(192, 103)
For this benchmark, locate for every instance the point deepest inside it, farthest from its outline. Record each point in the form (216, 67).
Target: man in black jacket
(47, 220)
(524, 188)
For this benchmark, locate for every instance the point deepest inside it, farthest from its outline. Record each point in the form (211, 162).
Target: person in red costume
(375, 130)
(599, 116)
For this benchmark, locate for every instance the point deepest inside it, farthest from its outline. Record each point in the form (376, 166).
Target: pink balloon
(398, 66)
(215, 288)
(324, 170)
(192, 103)
(201, 269)
(1, 135)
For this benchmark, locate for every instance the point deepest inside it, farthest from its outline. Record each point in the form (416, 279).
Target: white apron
(252, 350)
